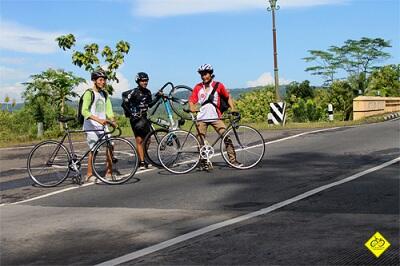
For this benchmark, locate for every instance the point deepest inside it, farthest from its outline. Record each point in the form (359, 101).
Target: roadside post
(330, 112)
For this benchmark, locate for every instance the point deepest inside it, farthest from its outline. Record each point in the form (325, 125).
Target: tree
(385, 80)
(254, 105)
(7, 100)
(13, 104)
(341, 97)
(356, 57)
(56, 86)
(328, 64)
(306, 110)
(88, 58)
(359, 56)
(300, 90)
(37, 98)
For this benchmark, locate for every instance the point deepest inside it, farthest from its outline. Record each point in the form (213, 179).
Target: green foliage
(359, 56)
(300, 90)
(328, 64)
(47, 93)
(17, 125)
(66, 42)
(88, 58)
(354, 57)
(122, 121)
(386, 80)
(305, 110)
(341, 96)
(254, 105)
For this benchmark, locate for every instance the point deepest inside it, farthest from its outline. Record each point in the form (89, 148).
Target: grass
(127, 131)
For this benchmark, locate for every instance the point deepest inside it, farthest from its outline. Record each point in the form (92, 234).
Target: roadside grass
(127, 131)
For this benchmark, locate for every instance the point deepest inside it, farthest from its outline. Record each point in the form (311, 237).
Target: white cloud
(266, 79)
(13, 91)
(15, 37)
(120, 87)
(11, 74)
(164, 8)
(13, 60)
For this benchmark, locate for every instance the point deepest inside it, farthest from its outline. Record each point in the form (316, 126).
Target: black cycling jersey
(136, 102)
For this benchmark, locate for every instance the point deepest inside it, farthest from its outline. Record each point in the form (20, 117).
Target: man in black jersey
(135, 103)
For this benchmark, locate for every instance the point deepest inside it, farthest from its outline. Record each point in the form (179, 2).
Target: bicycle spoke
(242, 147)
(115, 161)
(178, 152)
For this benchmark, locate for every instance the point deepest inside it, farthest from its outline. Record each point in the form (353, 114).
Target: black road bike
(50, 162)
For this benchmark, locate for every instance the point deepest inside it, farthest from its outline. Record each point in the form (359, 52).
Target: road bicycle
(174, 104)
(50, 162)
(181, 151)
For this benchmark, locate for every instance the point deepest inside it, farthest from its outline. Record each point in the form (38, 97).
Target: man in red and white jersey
(209, 113)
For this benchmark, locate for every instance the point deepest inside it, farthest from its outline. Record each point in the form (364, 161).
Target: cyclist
(209, 113)
(97, 111)
(135, 103)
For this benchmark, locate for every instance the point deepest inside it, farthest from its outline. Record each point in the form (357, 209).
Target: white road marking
(213, 227)
(148, 170)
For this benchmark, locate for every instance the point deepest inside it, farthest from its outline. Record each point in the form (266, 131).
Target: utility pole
(272, 8)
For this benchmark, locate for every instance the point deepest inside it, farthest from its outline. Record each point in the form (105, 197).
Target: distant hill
(116, 102)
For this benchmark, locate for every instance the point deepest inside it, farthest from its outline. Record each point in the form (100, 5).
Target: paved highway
(315, 198)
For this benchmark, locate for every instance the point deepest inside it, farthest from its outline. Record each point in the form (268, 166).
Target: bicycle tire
(53, 179)
(124, 158)
(249, 146)
(177, 154)
(179, 100)
(151, 145)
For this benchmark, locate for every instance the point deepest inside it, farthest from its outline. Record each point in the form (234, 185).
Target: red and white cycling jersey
(200, 94)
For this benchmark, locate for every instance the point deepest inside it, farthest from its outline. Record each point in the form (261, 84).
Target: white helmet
(205, 68)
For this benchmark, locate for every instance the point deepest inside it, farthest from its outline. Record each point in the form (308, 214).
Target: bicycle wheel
(115, 160)
(178, 152)
(48, 163)
(179, 100)
(242, 147)
(151, 145)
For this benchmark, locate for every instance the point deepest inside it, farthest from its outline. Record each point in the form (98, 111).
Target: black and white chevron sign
(278, 112)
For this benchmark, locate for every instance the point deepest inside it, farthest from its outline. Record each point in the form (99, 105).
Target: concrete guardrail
(364, 106)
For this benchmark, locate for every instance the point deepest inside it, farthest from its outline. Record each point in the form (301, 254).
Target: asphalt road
(98, 223)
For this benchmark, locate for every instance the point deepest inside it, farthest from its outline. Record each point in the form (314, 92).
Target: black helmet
(100, 73)
(141, 76)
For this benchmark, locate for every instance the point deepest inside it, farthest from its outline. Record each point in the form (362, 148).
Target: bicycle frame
(168, 108)
(73, 155)
(232, 124)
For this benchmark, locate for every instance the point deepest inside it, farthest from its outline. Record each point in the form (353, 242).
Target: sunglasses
(204, 73)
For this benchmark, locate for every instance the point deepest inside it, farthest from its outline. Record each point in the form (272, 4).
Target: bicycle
(181, 151)
(175, 102)
(50, 162)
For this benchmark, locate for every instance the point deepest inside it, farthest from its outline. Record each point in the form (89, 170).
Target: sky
(170, 38)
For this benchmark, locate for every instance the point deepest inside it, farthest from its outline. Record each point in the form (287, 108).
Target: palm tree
(13, 104)
(7, 100)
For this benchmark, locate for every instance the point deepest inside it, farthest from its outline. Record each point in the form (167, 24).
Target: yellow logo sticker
(377, 244)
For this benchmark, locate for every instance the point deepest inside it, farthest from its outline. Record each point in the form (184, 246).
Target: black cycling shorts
(140, 127)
